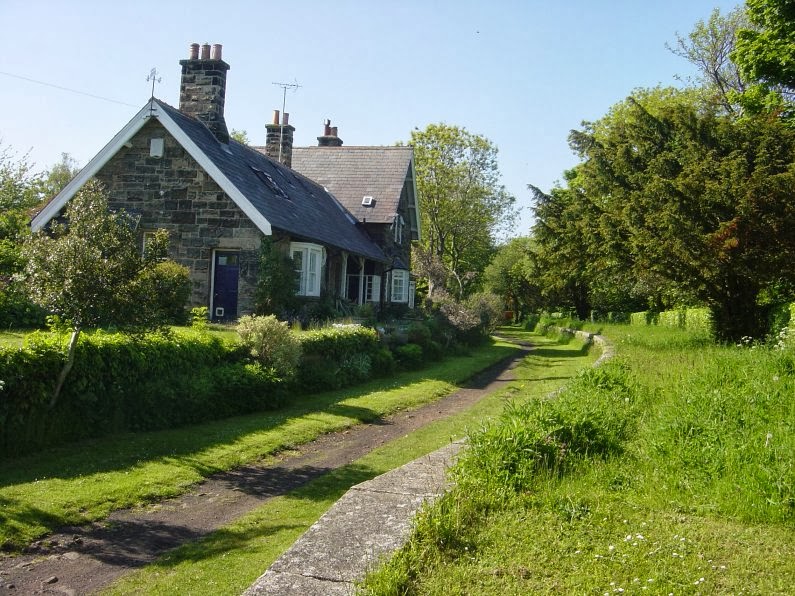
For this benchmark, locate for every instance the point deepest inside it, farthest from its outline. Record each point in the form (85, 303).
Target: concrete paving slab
(371, 521)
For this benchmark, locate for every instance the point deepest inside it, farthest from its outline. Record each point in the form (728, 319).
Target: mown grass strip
(229, 560)
(84, 482)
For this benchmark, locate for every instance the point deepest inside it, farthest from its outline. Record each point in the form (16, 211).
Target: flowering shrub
(271, 343)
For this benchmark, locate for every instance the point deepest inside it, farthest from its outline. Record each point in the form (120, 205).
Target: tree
(700, 202)
(58, 176)
(88, 270)
(241, 136)
(514, 275)
(766, 55)
(464, 207)
(709, 47)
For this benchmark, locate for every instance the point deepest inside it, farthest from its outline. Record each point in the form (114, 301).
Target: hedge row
(697, 319)
(121, 383)
(339, 356)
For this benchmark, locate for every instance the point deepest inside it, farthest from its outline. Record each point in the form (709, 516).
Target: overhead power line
(16, 76)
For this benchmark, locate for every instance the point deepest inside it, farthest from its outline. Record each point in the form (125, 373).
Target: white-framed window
(400, 286)
(372, 288)
(398, 225)
(308, 259)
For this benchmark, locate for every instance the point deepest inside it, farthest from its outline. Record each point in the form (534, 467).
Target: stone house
(179, 170)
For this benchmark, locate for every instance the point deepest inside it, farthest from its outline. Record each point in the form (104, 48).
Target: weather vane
(154, 78)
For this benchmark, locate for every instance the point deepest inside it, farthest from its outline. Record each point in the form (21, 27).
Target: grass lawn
(230, 559)
(685, 484)
(83, 482)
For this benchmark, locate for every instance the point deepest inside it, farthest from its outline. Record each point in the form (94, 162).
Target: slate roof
(352, 173)
(290, 201)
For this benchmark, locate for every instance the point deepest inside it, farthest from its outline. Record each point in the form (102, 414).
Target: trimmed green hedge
(686, 318)
(121, 383)
(336, 356)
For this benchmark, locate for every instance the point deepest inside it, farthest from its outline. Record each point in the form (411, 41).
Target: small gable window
(156, 147)
(308, 259)
(400, 285)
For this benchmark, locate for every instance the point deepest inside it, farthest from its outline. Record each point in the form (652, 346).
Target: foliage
(337, 356)
(89, 270)
(123, 383)
(689, 202)
(465, 207)
(271, 343)
(709, 48)
(409, 356)
(241, 136)
(275, 293)
(169, 286)
(487, 307)
(765, 54)
(199, 317)
(514, 274)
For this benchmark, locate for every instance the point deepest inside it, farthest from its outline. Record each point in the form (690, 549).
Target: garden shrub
(336, 356)
(383, 363)
(409, 357)
(123, 383)
(271, 343)
(169, 285)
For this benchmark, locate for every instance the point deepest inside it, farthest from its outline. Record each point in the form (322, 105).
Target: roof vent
(368, 201)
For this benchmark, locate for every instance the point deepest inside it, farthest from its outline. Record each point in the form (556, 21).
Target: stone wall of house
(173, 192)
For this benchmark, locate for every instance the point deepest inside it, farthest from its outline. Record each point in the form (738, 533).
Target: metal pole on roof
(285, 87)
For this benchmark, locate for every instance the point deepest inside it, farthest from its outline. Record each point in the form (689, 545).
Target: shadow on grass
(118, 452)
(317, 485)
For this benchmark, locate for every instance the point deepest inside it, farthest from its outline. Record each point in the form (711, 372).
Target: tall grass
(671, 468)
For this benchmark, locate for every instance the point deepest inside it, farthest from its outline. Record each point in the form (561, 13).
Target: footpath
(82, 560)
(370, 522)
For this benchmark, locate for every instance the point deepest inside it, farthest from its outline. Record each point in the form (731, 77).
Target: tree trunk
(70, 360)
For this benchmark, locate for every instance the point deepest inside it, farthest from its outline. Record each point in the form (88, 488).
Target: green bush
(123, 383)
(169, 283)
(383, 363)
(336, 356)
(409, 356)
(271, 343)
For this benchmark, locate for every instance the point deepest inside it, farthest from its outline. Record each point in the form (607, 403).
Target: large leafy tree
(514, 275)
(89, 271)
(698, 201)
(765, 54)
(464, 206)
(708, 47)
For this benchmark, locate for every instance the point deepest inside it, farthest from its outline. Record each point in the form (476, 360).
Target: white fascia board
(151, 109)
(212, 170)
(92, 167)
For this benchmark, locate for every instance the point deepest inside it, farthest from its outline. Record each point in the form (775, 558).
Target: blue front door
(226, 271)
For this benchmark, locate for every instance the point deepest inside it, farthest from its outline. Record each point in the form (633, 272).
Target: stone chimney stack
(202, 89)
(329, 138)
(279, 139)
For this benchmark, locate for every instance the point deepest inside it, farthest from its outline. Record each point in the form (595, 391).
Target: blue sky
(521, 73)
